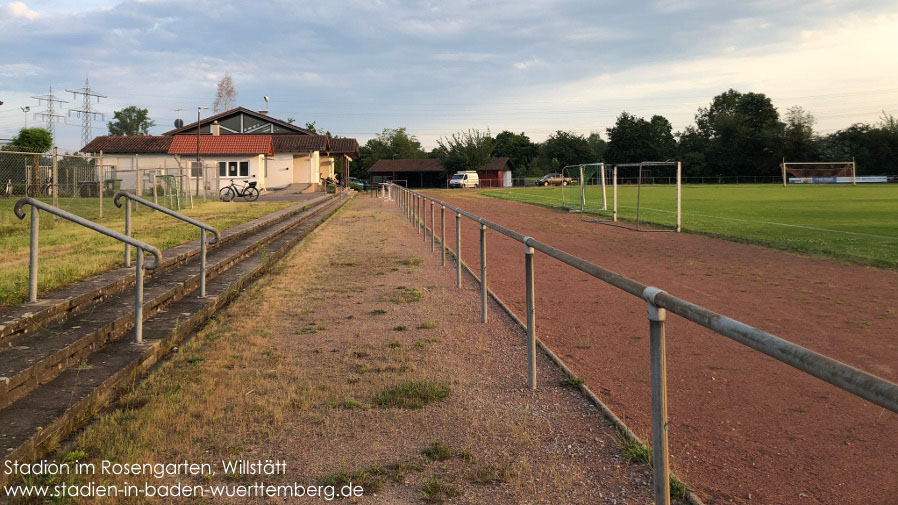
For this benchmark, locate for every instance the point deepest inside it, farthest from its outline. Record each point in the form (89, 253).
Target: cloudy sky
(436, 67)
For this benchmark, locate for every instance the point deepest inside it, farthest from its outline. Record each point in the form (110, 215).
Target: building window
(233, 169)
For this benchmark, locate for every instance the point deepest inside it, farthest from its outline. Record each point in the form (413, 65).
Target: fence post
(54, 185)
(442, 235)
(424, 218)
(433, 229)
(531, 315)
(679, 194)
(32, 257)
(483, 289)
(657, 344)
(417, 214)
(458, 249)
(138, 299)
(100, 182)
(127, 231)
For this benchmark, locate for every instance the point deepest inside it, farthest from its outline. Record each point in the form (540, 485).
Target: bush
(357, 187)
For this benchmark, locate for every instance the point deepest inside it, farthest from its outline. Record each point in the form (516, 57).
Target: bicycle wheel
(226, 194)
(251, 194)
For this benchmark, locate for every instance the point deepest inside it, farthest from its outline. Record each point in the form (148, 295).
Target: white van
(466, 179)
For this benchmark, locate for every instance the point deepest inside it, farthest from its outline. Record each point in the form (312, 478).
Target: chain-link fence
(76, 183)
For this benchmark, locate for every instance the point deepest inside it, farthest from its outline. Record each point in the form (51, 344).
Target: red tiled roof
(222, 144)
(299, 143)
(419, 165)
(131, 144)
(498, 164)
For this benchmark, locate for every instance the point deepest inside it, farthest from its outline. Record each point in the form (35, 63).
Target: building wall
(280, 170)
(301, 169)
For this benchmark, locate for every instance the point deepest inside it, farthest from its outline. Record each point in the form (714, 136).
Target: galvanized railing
(37, 205)
(202, 226)
(865, 385)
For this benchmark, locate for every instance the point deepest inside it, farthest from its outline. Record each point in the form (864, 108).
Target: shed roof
(498, 164)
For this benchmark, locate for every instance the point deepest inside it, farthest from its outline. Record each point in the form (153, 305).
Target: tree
(599, 146)
(516, 147)
(468, 150)
(391, 143)
(131, 120)
(744, 134)
(562, 149)
(31, 140)
(226, 95)
(634, 139)
(799, 143)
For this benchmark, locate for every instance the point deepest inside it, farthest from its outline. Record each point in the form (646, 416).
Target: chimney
(216, 129)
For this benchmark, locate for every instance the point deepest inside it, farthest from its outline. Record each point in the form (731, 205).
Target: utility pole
(86, 113)
(49, 115)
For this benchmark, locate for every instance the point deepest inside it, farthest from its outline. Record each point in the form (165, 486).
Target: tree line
(737, 134)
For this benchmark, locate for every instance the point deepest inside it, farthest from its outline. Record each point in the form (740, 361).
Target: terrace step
(67, 302)
(37, 357)
(70, 378)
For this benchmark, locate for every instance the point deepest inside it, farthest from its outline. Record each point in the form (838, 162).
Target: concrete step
(59, 305)
(39, 418)
(35, 358)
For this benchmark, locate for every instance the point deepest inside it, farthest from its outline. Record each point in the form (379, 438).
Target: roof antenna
(265, 110)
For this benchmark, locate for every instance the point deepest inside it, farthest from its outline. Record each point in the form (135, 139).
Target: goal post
(819, 172)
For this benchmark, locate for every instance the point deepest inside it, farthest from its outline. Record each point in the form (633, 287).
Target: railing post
(483, 289)
(417, 214)
(442, 235)
(32, 257)
(458, 249)
(100, 181)
(424, 218)
(127, 231)
(138, 299)
(657, 344)
(433, 229)
(531, 315)
(202, 263)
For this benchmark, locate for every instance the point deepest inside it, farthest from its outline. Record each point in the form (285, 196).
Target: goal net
(818, 172)
(647, 192)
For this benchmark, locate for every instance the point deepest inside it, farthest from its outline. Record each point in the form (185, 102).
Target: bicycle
(248, 192)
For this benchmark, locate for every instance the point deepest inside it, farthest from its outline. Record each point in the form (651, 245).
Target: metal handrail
(857, 382)
(202, 226)
(37, 205)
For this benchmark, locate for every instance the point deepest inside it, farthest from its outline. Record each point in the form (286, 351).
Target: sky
(438, 67)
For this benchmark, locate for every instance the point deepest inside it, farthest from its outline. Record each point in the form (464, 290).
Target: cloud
(19, 70)
(524, 65)
(18, 10)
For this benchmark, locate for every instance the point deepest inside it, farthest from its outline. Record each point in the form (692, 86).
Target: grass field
(70, 253)
(857, 224)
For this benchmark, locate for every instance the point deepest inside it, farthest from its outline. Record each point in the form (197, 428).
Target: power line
(86, 113)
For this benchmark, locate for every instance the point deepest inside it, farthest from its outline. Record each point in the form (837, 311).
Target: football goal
(818, 172)
(658, 189)
(585, 175)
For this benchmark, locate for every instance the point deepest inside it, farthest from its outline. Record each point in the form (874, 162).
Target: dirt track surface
(744, 428)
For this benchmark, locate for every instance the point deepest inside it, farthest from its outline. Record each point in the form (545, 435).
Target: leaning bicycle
(248, 192)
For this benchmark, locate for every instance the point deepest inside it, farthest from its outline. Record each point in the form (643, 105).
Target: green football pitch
(852, 223)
